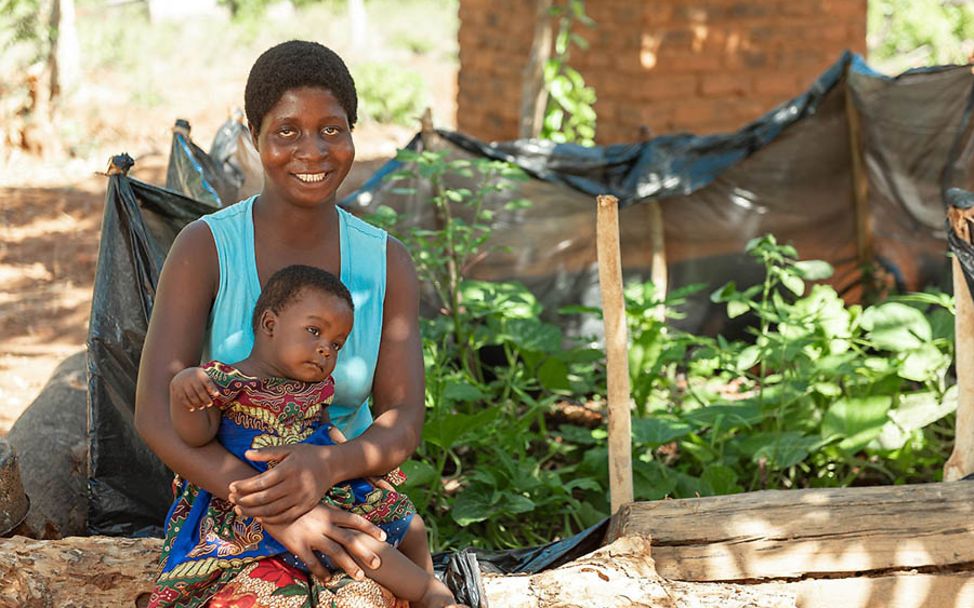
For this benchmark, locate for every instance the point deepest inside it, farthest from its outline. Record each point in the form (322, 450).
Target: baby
(279, 396)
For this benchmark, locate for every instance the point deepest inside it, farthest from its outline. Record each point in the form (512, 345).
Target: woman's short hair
(287, 284)
(293, 64)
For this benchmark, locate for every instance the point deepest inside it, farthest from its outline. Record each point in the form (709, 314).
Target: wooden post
(534, 97)
(961, 461)
(860, 181)
(657, 272)
(616, 350)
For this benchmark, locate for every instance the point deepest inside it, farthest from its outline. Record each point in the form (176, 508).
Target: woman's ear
(268, 321)
(253, 136)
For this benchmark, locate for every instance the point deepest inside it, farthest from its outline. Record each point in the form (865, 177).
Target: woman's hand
(335, 533)
(295, 484)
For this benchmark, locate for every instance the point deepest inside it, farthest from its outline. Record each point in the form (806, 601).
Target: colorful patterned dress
(208, 547)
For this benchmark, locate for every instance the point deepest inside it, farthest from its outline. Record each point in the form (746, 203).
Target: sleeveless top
(230, 335)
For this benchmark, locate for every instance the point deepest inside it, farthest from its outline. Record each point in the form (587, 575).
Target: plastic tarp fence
(790, 173)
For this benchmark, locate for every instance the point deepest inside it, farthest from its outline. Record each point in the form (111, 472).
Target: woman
(300, 102)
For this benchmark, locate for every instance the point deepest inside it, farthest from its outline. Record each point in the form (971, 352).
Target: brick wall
(666, 65)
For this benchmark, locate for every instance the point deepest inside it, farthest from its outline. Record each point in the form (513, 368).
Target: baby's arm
(191, 395)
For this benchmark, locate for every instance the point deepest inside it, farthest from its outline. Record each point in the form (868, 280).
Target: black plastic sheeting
(789, 173)
(128, 486)
(230, 171)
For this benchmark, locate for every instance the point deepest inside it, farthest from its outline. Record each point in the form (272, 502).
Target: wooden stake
(657, 271)
(961, 461)
(534, 97)
(616, 349)
(860, 181)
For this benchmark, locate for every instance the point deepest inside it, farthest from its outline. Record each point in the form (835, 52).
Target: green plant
(489, 471)
(822, 394)
(389, 94)
(569, 115)
(924, 31)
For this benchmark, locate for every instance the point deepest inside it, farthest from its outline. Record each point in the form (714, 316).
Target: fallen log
(97, 572)
(623, 574)
(802, 534)
(80, 571)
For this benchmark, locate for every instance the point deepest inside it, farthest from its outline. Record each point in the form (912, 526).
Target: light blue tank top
(230, 336)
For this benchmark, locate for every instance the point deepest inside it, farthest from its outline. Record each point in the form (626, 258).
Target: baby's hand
(192, 389)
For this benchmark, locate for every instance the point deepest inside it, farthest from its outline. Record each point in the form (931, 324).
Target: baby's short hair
(287, 284)
(293, 64)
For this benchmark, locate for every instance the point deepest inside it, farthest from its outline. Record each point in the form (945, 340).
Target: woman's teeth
(310, 178)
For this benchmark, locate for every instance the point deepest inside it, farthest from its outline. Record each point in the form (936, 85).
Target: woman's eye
(285, 131)
(313, 331)
(330, 130)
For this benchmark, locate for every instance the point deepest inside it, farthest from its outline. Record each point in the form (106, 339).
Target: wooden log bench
(891, 547)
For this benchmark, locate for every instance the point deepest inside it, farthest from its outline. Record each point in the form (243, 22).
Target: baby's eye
(337, 345)
(314, 331)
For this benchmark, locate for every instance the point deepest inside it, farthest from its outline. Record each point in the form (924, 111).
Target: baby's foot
(437, 596)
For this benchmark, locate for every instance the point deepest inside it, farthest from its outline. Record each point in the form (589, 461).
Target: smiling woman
(301, 104)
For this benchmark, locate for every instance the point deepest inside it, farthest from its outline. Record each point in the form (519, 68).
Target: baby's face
(309, 333)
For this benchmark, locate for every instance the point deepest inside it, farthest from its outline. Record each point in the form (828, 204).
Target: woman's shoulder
(362, 228)
(236, 212)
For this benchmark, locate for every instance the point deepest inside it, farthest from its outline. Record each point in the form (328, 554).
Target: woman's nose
(312, 147)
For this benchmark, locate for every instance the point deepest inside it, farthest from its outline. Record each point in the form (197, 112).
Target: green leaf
(583, 483)
(460, 391)
(419, 474)
(532, 334)
(657, 431)
(577, 434)
(896, 327)
(742, 413)
(915, 411)
(779, 450)
(858, 420)
(652, 481)
(793, 283)
(814, 270)
(748, 358)
(724, 293)
(472, 505)
(515, 503)
(736, 308)
(553, 375)
(448, 430)
(722, 479)
(924, 363)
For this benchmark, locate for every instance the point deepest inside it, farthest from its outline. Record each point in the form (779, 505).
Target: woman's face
(305, 146)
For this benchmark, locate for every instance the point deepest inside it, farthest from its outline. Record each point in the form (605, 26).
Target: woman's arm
(399, 388)
(174, 341)
(397, 402)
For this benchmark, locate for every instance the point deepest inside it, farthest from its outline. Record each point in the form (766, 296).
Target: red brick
(697, 111)
(672, 86)
(771, 84)
(690, 62)
(843, 9)
(723, 84)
